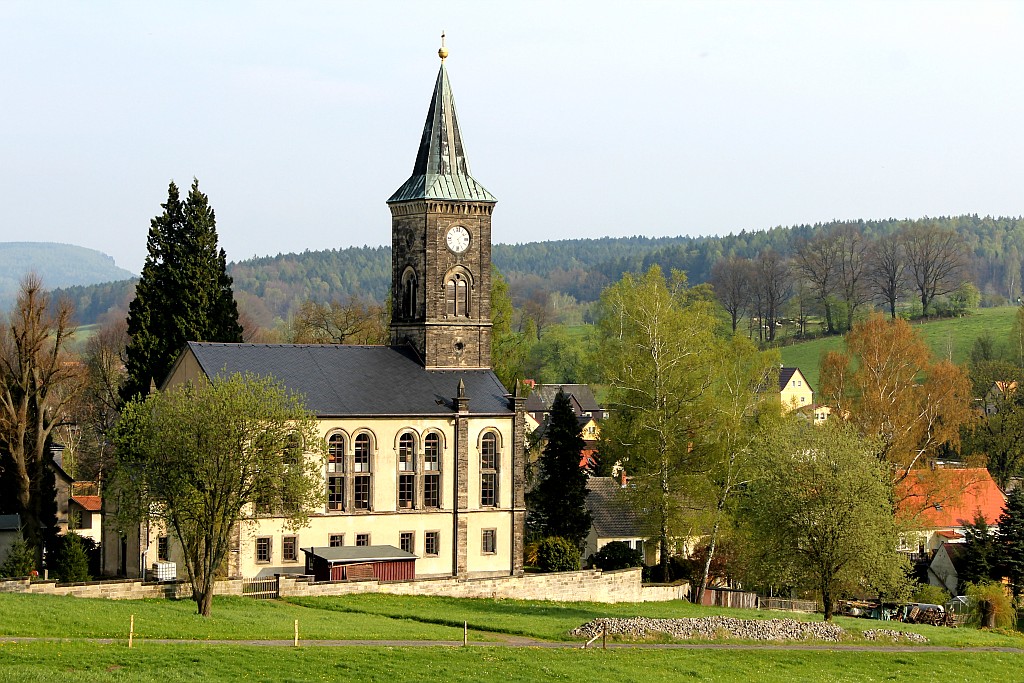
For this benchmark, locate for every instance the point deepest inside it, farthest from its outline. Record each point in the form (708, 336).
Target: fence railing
(788, 605)
(262, 588)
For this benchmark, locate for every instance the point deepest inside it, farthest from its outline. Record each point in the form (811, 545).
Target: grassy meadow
(948, 338)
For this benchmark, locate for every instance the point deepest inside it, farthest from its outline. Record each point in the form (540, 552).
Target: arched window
(361, 464)
(432, 470)
(336, 453)
(406, 467)
(489, 462)
(335, 472)
(457, 295)
(409, 287)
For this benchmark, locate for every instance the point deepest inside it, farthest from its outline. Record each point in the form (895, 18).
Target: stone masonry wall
(582, 586)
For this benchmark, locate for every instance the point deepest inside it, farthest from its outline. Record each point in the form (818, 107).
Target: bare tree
(352, 322)
(818, 261)
(37, 382)
(887, 275)
(854, 260)
(936, 260)
(774, 282)
(731, 278)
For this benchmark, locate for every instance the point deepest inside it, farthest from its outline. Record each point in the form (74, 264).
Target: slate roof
(441, 170)
(542, 397)
(786, 374)
(612, 516)
(364, 553)
(341, 380)
(10, 522)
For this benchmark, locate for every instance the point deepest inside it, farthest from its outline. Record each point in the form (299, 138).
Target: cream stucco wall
(797, 393)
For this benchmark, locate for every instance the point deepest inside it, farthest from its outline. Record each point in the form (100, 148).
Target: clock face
(457, 239)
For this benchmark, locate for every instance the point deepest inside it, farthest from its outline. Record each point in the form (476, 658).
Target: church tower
(441, 247)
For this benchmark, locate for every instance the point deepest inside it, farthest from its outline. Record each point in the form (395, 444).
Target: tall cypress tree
(558, 502)
(184, 293)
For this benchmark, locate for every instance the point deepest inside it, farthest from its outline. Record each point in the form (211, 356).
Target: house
(542, 397)
(425, 447)
(614, 519)
(794, 390)
(936, 505)
(85, 510)
(943, 570)
(10, 531)
(997, 394)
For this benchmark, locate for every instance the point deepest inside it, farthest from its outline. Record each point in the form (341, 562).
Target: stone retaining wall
(581, 586)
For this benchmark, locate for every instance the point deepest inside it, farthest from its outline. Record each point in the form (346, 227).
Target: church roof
(342, 380)
(441, 170)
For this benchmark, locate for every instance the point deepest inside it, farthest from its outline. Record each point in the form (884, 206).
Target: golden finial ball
(443, 52)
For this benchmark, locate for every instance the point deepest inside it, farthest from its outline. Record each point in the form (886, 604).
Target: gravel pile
(897, 636)
(712, 627)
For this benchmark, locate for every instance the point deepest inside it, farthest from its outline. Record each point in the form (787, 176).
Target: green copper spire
(441, 170)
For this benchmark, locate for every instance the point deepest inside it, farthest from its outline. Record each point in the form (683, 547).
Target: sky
(585, 119)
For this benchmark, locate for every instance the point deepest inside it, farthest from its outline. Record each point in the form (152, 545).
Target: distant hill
(59, 265)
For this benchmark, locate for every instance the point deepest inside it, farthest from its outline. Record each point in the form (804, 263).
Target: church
(425, 466)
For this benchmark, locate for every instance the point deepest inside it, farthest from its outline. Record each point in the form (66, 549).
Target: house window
(335, 493)
(362, 539)
(432, 453)
(361, 461)
(336, 540)
(489, 542)
(362, 492)
(406, 453)
(289, 548)
(432, 490)
(406, 484)
(263, 549)
(336, 453)
(431, 543)
(405, 541)
(162, 549)
(489, 470)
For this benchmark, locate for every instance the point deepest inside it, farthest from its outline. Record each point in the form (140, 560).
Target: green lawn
(66, 661)
(948, 338)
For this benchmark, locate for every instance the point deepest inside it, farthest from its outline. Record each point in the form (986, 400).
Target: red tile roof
(90, 503)
(946, 499)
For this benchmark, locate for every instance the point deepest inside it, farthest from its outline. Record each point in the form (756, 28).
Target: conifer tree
(1011, 540)
(184, 293)
(558, 502)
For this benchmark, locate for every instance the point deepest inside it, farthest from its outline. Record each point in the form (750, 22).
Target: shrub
(556, 554)
(71, 563)
(616, 555)
(931, 595)
(988, 606)
(21, 561)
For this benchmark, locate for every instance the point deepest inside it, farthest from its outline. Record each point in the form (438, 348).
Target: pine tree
(184, 293)
(1010, 540)
(980, 553)
(558, 502)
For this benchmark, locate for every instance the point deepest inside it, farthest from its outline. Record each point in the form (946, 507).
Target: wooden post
(465, 633)
(604, 636)
(296, 633)
(131, 631)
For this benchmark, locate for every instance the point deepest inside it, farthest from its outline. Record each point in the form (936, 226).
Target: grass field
(379, 617)
(948, 338)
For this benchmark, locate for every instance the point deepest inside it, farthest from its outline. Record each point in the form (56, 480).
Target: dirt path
(516, 641)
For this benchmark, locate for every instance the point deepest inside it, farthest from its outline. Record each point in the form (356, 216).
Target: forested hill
(269, 288)
(59, 265)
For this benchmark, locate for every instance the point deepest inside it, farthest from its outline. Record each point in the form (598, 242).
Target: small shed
(353, 563)
(10, 531)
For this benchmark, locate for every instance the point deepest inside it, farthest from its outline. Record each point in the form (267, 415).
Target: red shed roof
(947, 499)
(90, 503)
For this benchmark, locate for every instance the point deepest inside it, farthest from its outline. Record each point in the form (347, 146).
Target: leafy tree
(557, 504)
(936, 260)
(1000, 438)
(184, 293)
(656, 350)
(509, 348)
(772, 285)
(930, 595)
(71, 563)
(555, 554)
(817, 261)
(200, 457)
(351, 322)
(988, 606)
(21, 560)
(1011, 540)
(876, 383)
(37, 383)
(819, 510)
(616, 555)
